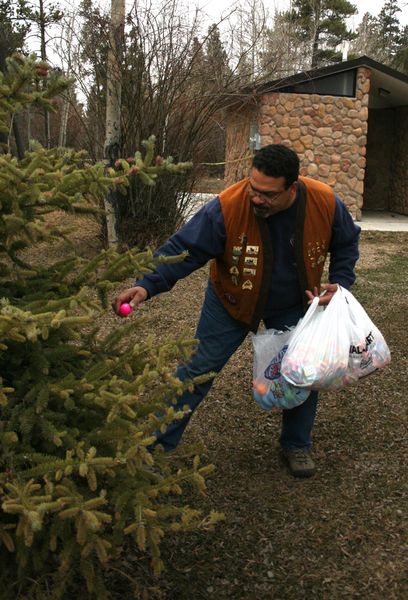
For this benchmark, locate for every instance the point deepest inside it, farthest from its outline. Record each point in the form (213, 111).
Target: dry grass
(340, 535)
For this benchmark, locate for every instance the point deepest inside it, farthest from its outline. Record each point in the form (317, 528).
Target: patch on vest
(316, 253)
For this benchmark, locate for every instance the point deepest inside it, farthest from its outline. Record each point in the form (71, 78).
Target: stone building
(348, 123)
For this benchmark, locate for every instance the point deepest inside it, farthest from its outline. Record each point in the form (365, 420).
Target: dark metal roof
(388, 87)
(347, 65)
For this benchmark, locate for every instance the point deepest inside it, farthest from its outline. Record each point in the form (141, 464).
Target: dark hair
(276, 160)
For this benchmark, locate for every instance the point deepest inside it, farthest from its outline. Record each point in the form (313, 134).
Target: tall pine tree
(323, 24)
(389, 30)
(383, 38)
(216, 59)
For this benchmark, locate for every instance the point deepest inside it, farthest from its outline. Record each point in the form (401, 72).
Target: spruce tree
(216, 58)
(323, 24)
(79, 408)
(389, 30)
(383, 38)
(14, 27)
(400, 60)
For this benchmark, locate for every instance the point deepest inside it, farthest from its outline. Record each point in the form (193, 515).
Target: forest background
(178, 66)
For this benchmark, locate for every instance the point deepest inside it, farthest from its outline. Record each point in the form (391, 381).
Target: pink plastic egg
(125, 309)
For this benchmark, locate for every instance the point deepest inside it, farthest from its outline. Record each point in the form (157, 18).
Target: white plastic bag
(368, 348)
(318, 352)
(271, 390)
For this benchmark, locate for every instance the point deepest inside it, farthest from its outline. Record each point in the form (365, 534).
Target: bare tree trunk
(44, 58)
(18, 139)
(29, 129)
(113, 104)
(66, 100)
(62, 138)
(315, 34)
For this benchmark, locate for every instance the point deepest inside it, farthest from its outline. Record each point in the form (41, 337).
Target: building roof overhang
(388, 87)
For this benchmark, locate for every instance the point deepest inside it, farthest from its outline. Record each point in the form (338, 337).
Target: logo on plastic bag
(361, 355)
(362, 349)
(272, 371)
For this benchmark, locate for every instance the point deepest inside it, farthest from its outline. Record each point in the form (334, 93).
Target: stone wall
(329, 133)
(398, 198)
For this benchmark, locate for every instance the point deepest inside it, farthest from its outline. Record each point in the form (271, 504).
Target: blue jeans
(219, 336)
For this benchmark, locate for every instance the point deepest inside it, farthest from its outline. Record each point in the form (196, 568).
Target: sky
(214, 8)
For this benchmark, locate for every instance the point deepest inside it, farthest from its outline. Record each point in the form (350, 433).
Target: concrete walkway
(373, 220)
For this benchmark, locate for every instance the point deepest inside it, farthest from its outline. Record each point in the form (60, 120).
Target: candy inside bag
(318, 352)
(280, 394)
(334, 346)
(270, 389)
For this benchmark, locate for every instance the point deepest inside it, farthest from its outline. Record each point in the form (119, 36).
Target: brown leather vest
(241, 277)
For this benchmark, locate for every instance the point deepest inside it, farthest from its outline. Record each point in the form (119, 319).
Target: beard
(261, 211)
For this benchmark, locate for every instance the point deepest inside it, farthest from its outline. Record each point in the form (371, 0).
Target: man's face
(268, 194)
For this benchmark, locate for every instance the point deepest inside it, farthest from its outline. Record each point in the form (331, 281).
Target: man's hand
(328, 291)
(133, 296)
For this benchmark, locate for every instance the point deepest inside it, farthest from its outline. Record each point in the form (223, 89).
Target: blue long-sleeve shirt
(204, 235)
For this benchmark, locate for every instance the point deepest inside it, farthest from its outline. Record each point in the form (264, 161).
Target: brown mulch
(339, 535)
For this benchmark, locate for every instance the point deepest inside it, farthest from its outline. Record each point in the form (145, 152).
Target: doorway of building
(380, 143)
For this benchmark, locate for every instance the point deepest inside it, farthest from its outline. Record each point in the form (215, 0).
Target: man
(268, 236)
